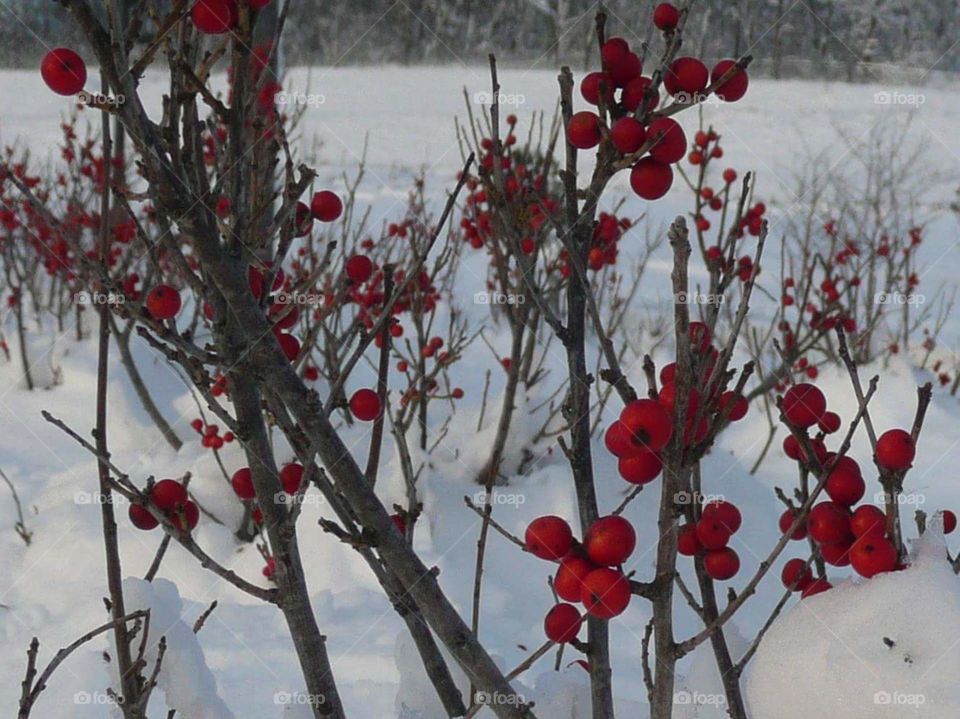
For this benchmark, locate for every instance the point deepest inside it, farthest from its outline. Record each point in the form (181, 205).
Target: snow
(874, 649)
(824, 649)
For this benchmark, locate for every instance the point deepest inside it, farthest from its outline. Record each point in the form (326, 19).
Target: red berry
(606, 593)
(168, 494)
(549, 537)
(242, 483)
(829, 422)
(687, 542)
(365, 405)
(872, 555)
(895, 450)
(291, 475)
(721, 564)
(188, 513)
(590, 88)
(949, 521)
(666, 16)
(163, 302)
(610, 541)
(290, 346)
(837, 555)
(651, 179)
(359, 268)
(614, 51)
(668, 399)
(64, 71)
(670, 144)
(626, 70)
(640, 468)
(619, 441)
(796, 575)
(214, 17)
(583, 130)
(627, 134)
(141, 518)
(803, 405)
(868, 519)
(734, 87)
(729, 175)
(829, 523)
(400, 523)
(326, 206)
(568, 582)
(845, 486)
(712, 533)
(724, 511)
(649, 423)
(562, 623)
(816, 587)
(738, 405)
(635, 92)
(686, 75)
(786, 521)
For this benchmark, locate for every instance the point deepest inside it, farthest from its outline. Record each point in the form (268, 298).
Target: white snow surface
(242, 664)
(886, 648)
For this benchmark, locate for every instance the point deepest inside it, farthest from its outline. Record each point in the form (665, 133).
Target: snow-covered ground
(53, 588)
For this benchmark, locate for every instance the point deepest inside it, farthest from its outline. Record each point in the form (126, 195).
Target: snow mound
(185, 679)
(882, 648)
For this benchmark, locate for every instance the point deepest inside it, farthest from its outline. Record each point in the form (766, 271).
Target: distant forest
(851, 39)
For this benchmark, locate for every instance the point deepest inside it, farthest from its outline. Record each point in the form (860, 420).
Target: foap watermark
(97, 699)
(498, 298)
(694, 98)
(300, 299)
(503, 98)
(895, 97)
(683, 497)
(500, 499)
(498, 699)
(898, 298)
(699, 699)
(84, 498)
(907, 498)
(98, 99)
(698, 298)
(899, 699)
(303, 99)
(299, 699)
(99, 298)
(305, 499)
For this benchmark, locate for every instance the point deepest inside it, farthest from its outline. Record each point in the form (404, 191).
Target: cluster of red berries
(646, 425)
(291, 477)
(170, 497)
(589, 573)
(210, 434)
(622, 89)
(718, 521)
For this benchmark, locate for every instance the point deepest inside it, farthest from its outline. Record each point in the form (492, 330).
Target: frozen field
(405, 119)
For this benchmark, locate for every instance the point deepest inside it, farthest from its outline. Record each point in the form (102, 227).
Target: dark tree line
(850, 39)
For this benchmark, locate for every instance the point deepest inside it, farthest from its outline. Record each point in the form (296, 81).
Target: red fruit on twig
(583, 130)
(669, 142)
(291, 475)
(651, 179)
(568, 581)
(796, 575)
(895, 449)
(549, 537)
(610, 541)
(242, 483)
(365, 405)
(724, 511)
(712, 533)
(868, 519)
(214, 17)
(649, 423)
(803, 405)
(326, 206)
(63, 71)
(606, 593)
(562, 623)
(163, 302)
(141, 518)
(735, 86)
(829, 523)
(872, 555)
(666, 16)
(721, 564)
(168, 494)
